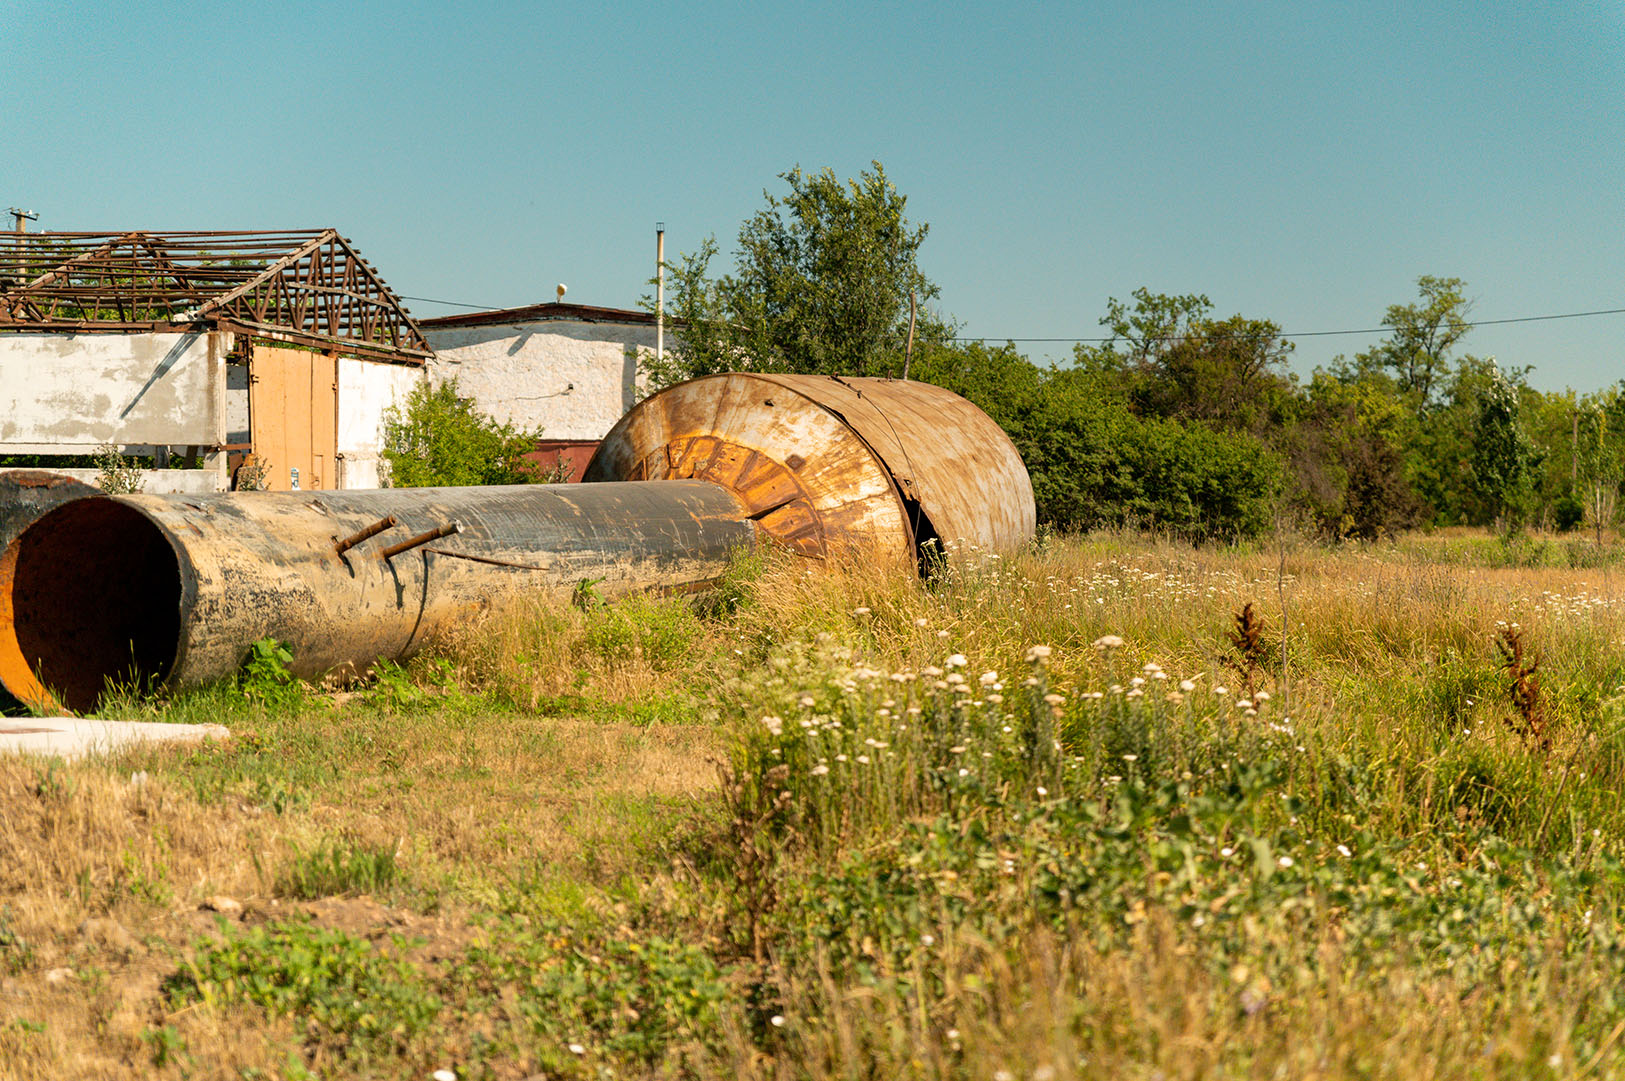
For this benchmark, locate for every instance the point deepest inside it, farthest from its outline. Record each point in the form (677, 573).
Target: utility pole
(908, 353)
(660, 292)
(19, 217)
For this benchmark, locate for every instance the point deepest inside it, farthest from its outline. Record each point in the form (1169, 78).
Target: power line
(1177, 337)
(450, 303)
(1323, 333)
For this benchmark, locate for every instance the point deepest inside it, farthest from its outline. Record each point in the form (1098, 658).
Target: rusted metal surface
(344, 544)
(171, 591)
(447, 530)
(26, 495)
(808, 480)
(873, 464)
(308, 287)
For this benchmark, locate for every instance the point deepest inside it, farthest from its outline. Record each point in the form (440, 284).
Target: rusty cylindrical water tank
(828, 463)
(171, 590)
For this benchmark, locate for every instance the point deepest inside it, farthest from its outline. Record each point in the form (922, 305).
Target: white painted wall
(366, 389)
(572, 379)
(71, 393)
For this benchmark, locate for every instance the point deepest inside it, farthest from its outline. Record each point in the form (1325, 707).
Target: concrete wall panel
(572, 379)
(70, 393)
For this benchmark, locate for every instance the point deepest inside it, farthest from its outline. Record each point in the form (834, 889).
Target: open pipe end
(89, 596)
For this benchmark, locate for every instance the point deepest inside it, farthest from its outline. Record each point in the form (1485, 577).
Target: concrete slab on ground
(75, 737)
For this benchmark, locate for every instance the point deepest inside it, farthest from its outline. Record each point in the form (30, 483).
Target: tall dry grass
(933, 849)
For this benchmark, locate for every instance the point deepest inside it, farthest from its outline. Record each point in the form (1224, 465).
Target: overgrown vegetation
(1055, 814)
(441, 440)
(1182, 420)
(116, 474)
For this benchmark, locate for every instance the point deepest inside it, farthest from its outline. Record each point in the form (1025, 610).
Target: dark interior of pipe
(95, 594)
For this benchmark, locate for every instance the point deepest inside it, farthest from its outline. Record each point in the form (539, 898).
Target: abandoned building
(567, 369)
(261, 359)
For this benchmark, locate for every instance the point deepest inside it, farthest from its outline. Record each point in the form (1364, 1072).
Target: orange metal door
(293, 415)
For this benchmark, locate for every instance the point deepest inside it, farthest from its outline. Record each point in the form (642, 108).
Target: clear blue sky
(1298, 162)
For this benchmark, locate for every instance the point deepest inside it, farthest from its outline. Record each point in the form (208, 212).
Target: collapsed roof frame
(308, 287)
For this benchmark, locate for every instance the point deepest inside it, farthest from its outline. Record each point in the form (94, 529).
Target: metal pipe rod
(421, 539)
(386, 522)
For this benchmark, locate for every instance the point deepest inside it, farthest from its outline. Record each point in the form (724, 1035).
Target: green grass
(844, 823)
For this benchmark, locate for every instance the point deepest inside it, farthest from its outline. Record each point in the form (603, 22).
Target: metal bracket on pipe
(421, 539)
(342, 546)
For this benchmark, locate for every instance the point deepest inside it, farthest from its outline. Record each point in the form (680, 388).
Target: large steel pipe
(170, 591)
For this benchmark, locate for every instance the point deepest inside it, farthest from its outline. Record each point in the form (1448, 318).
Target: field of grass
(1110, 807)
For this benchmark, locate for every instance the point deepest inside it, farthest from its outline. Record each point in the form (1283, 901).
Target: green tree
(1599, 451)
(1173, 359)
(1351, 470)
(440, 440)
(1421, 336)
(1504, 458)
(821, 284)
(1095, 463)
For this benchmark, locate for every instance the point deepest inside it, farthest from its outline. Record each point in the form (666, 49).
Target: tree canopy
(1180, 419)
(821, 283)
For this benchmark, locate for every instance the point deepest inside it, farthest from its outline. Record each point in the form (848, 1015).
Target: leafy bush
(442, 440)
(623, 1000)
(118, 475)
(660, 632)
(1094, 463)
(348, 993)
(1567, 513)
(266, 679)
